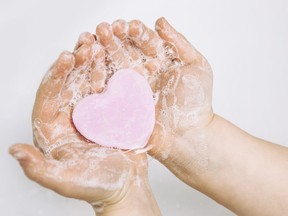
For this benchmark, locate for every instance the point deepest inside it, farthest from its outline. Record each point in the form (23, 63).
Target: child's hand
(180, 77)
(66, 162)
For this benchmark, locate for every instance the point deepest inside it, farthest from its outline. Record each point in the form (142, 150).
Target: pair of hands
(180, 78)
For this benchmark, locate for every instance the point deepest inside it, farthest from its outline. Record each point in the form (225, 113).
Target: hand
(67, 162)
(181, 79)
(202, 149)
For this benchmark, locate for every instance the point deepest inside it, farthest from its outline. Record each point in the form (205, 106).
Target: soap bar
(123, 116)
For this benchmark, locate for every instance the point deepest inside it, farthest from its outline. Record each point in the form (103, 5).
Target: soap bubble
(37, 123)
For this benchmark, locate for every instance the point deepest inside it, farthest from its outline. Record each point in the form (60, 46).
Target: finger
(34, 164)
(113, 47)
(98, 71)
(54, 79)
(83, 60)
(85, 38)
(98, 61)
(84, 49)
(83, 55)
(48, 95)
(77, 84)
(120, 29)
(153, 66)
(187, 53)
(144, 38)
(36, 167)
(105, 34)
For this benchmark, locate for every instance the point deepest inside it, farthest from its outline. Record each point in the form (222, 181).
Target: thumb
(36, 167)
(187, 53)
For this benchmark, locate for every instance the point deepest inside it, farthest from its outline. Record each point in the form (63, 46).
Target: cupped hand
(180, 77)
(65, 161)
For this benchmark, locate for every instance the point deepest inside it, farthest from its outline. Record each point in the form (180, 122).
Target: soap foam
(172, 116)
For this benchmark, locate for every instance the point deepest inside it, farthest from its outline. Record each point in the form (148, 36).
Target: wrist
(201, 152)
(190, 151)
(241, 167)
(136, 198)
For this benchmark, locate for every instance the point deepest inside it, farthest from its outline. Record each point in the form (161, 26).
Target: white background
(245, 41)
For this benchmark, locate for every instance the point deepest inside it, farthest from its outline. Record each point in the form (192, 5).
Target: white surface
(245, 41)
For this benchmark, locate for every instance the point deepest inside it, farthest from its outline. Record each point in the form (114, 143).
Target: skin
(182, 80)
(246, 174)
(109, 179)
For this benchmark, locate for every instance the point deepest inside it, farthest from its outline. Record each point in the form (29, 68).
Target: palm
(179, 76)
(89, 173)
(184, 104)
(73, 166)
(52, 124)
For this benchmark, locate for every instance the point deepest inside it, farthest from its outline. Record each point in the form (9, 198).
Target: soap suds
(163, 72)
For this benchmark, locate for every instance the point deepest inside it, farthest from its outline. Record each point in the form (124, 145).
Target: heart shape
(123, 116)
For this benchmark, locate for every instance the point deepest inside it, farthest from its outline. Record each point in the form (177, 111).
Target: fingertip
(25, 152)
(160, 22)
(120, 29)
(64, 64)
(103, 32)
(67, 57)
(102, 28)
(135, 28)
(106, 37)
(187, 53)
(144, 38)
(16, 152)
(83, 55)
(163, 27)
(85, 38)
(34, 164)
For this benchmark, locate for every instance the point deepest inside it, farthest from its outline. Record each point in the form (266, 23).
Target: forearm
(243, 173)
(138, 200)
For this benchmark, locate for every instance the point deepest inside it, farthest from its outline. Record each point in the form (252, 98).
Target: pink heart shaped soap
(123, 116)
